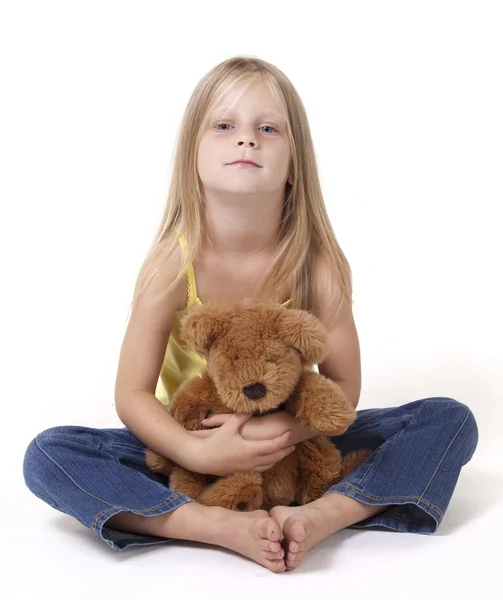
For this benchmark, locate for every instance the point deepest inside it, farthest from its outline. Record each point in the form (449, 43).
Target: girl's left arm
(343, 363)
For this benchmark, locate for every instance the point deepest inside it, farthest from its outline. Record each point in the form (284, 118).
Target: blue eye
(218, 125)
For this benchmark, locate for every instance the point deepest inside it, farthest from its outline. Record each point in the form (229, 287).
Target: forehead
(249, 96)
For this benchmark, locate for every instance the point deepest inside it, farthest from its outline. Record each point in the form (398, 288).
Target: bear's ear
(202, 326)
(301, 330)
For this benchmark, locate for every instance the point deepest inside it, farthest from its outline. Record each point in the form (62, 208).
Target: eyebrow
(263, 113)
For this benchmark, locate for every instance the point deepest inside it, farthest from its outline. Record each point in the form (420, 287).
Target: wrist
(300, 432)
(265, 427)
(193, 454)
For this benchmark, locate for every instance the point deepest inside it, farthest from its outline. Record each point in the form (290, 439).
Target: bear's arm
(194, 401)
(320, 403)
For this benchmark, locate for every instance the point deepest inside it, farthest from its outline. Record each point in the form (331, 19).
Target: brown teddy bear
(259, 360)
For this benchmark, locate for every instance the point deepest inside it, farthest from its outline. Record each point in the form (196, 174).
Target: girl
(245, 217)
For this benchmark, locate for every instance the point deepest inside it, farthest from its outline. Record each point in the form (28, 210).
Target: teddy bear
(260, 358)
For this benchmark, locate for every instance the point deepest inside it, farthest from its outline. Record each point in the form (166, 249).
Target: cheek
(205, 156)
(280, 160)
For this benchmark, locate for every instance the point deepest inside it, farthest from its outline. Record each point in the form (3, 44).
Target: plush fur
(258, 361)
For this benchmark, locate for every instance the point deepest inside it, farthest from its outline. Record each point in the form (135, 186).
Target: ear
(301, 330)
(202, 326)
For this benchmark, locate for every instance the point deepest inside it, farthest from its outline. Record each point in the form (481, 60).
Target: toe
(269, 529)
(274, 555)
(268, 546)
(276, 566)
(294, 557)
(295, 530)
(293, 560)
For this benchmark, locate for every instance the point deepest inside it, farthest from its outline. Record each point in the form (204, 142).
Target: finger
(270, 446)
(202, 433)
(277, 456)
(262, 468)
(216, 420)
(267, 462)
(236, 421)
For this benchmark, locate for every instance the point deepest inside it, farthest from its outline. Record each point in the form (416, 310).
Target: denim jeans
(419, 449)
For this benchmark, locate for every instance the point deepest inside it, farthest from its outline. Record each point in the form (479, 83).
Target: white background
(405, 106)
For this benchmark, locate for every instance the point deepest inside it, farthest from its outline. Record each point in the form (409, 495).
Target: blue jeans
(419, 449)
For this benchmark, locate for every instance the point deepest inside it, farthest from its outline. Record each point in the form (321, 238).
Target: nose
(255, 391)
(246, 137)
(251, 143)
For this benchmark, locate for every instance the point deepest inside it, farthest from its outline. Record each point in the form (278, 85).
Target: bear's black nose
(255, 391)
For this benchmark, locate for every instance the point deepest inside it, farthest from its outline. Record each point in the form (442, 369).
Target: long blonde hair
(305, 226)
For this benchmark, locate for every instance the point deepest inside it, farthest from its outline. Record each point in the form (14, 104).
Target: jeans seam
(356, 429)
(358, 490)
(378, 450)
(128, 446)
(443, 456)
(110, 507)
(375, 455)
(69, 476)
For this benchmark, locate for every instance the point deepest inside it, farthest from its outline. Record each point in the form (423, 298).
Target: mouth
(245, 163)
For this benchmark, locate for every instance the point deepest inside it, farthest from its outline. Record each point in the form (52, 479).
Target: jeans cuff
(407, 514)
(119, 540)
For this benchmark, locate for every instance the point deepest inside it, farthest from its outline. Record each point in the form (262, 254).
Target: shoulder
(160, 280)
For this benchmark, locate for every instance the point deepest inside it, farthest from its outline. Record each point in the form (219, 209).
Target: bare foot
(303, 529)
(255, 535)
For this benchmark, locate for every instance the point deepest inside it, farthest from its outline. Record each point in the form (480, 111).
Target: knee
(457, 414)
(37, 459)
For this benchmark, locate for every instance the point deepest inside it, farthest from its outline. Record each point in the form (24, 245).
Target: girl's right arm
(141, 358)
(140, 362)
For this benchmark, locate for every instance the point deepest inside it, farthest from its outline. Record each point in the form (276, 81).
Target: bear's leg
(239, 491)
(189, 483)
(279, 482)
(351, 460)
(320, 466)
(159, 464)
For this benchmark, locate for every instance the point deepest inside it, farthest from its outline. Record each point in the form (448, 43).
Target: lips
(244, 162)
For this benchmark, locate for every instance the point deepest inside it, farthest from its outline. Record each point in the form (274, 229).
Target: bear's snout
(255, 390)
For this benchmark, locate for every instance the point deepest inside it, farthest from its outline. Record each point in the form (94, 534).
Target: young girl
(245, 217)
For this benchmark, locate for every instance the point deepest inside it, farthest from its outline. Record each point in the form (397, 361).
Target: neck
(243, 227)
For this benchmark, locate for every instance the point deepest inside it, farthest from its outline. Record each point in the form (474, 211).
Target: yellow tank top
(180, 362)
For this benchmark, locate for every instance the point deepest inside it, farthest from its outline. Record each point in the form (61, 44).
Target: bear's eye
(235, 357)
(267, 359)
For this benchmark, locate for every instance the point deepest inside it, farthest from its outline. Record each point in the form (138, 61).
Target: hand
(224, 451)
(263, 428)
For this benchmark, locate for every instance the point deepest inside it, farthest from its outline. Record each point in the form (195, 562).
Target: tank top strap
(192, 298)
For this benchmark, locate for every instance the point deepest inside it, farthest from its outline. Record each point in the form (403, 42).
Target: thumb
(237, 421)
(216, 420)
(202, 433)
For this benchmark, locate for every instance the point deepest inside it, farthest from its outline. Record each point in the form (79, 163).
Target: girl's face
(246, 125)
